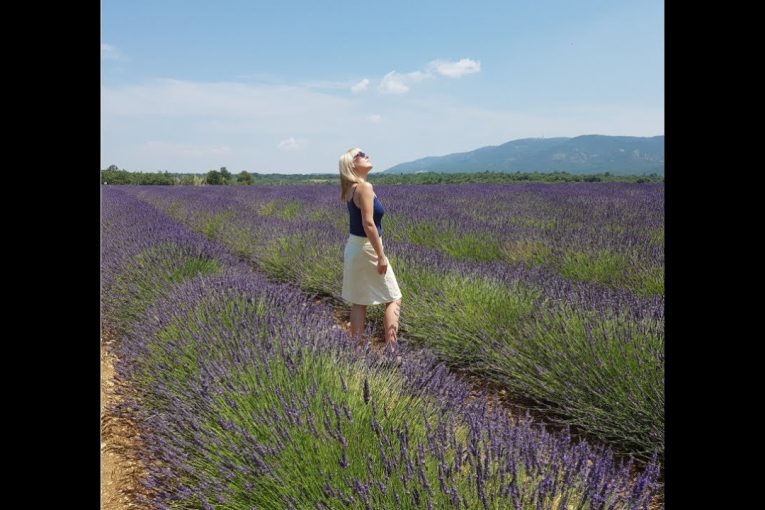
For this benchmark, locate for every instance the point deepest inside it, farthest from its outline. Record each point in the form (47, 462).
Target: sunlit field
(251, 396)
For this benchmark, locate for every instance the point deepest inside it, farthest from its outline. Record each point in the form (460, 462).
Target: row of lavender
(250, 397)
(612, 234)
(590, 353)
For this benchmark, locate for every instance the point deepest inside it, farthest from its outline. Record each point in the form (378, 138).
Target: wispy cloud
(179, 98)
(263, 126)
(454, 69)
(361, 86)
(290, 144)
(393, 83)
(196, 126)
(109, 52)
(325, 84)
(399, 83)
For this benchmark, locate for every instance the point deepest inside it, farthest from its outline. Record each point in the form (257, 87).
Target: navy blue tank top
(357, 228)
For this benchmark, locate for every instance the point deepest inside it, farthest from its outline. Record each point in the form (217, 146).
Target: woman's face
(362, 161)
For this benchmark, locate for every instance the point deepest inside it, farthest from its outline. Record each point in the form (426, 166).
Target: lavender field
(251, 396)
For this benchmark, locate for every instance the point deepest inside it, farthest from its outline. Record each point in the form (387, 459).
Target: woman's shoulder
(365, 187)
(360, 188)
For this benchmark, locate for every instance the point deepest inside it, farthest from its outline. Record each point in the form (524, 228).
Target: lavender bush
(250, 397)
(571, 257)
(138, 263)
(245, 381)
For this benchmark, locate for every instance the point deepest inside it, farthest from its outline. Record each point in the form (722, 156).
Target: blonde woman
(368, 278)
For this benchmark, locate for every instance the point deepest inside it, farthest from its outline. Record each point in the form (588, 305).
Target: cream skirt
(362, 284)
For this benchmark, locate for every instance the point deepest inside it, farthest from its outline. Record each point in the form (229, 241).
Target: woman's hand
(382, 264)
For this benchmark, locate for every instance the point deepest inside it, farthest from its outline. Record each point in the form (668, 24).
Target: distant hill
(587, 154)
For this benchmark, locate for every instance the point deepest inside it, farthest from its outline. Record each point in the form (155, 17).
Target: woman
(368, 278)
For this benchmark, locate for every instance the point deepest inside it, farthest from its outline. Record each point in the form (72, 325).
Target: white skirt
(362, 284)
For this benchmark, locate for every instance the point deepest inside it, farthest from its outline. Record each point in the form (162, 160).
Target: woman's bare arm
(366, 198)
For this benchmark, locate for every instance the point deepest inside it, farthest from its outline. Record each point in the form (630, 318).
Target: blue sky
(287, 87)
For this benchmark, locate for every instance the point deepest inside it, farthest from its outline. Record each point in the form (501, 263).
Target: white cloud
(454, 69)
(398, 83)
(250, 119)
(196, 126)
(361, 86)
(393, 83)
(109, 52)
(325, 84)
(290, 144)
(178, 98)
(417, 76)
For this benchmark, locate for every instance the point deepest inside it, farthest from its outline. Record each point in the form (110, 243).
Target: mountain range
(586, 154)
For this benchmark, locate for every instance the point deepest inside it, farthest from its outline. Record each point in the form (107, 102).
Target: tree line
(222, 177)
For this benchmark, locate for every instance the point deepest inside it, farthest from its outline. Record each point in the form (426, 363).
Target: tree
(225, 174)
(244, 178)
(116, 176)
(214, 177)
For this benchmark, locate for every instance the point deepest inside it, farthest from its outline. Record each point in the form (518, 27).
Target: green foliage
(214, 177)
(214, 223)
(603, 374)
(460, 245)
(601, 266)
(225, 175)
(150, 274)
(455, 315)
(527, 251)
(244, 177)
(114, 176)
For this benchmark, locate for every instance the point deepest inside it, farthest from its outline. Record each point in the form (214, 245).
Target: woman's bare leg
(390, 322)
(358, 318)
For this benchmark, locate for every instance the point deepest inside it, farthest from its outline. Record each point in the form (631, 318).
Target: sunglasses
(360, 155)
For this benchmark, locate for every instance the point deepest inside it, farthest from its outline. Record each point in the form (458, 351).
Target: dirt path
(119, 472)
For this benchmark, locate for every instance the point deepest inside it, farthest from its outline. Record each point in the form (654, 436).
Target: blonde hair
(348, 175)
